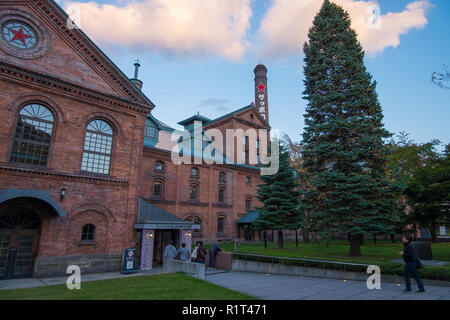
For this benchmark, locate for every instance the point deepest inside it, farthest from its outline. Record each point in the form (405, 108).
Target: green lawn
(155, 287)
(338, 250)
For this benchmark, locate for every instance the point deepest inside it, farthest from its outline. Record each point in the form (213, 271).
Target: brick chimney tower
(261, 99)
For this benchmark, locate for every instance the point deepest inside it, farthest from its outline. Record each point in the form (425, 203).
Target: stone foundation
(57, 266)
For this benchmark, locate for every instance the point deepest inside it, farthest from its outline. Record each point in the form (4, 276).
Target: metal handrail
(302, 260)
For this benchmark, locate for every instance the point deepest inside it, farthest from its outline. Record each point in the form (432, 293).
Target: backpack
(194, 254)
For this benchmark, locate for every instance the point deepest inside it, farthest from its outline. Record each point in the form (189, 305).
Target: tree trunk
(433, 230)
(355, 245)
(265, 239)
(393, 238)
(375, 238)
(273, 238)
(296, 238)
(280, 239)
(306, 237)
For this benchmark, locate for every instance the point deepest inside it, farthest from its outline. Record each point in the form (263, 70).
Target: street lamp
(62, 194)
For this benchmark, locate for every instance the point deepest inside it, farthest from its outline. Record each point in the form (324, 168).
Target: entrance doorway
(162, 238)
(19, 237)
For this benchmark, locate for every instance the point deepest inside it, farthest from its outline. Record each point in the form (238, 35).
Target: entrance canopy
(151, 217)
(249, 218)
(43, 196)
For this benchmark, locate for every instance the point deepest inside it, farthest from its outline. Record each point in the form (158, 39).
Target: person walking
(409, 256)
(184, 253)
(215, 248)
(201, 253)
(170, 253)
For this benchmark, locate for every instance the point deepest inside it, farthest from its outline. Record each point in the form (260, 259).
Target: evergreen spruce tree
(344, 153)
(280, 200)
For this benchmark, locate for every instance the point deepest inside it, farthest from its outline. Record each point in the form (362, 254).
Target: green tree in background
(429, 194)
(280, 200)
(344, 155)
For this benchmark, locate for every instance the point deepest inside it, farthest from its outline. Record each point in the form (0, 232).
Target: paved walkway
(39, 282)
(280, 287)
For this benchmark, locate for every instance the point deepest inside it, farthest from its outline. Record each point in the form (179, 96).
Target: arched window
(88, 233)
(248, 204)
(97, 147)
(159, 166)
(221, 176)
(221, 194)
(193, 192)
(196, 220)
(221, 225)
(158, 188)
(33, 135)
(248, 180)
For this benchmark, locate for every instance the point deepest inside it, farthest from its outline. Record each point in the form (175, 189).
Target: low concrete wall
(91, 263)
(195, 269)
(277, 268)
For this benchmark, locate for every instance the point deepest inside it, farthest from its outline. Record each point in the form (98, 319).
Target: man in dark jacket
(215, 248)
(409, 256)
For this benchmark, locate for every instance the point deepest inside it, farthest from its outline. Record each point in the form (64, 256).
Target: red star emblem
(261, 87)
(19, 35)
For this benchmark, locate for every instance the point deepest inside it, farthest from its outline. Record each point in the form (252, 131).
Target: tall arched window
(221, 224)
(33, 135)
(88, 233)
(97, 147)
(221, 194)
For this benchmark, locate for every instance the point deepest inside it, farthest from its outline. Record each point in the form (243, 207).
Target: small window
(221, 195)
(251, 117)
(159, 166)
(248, 180)
(150, 131)
(221, 177)
(193, 192)
(88, 233)
(221, 225)
(194, 172)
(157, 189)
(248, 204)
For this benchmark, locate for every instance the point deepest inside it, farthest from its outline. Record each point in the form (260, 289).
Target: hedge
(389, 268)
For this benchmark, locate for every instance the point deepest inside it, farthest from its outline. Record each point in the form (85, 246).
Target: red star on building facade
(19, 35)
(261, 87)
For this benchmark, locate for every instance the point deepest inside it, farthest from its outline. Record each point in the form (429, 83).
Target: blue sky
(181, 83)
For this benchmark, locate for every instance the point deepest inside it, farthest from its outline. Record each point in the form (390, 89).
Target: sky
(199, 55)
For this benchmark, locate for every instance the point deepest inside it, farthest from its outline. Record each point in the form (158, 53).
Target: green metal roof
(249, 218)
(194, 118)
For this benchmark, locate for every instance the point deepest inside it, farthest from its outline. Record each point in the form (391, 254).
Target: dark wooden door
(18, 250)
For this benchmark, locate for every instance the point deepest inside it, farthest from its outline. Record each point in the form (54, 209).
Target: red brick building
(85, 169)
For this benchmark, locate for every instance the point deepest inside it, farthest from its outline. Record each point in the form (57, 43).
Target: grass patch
(338, 250)
(155, 287)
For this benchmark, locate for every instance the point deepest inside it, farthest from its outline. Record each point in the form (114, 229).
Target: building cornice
(54, 85)
(8, 169)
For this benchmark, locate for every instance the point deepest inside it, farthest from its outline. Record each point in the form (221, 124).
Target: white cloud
(174, 27)
(285, 26)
